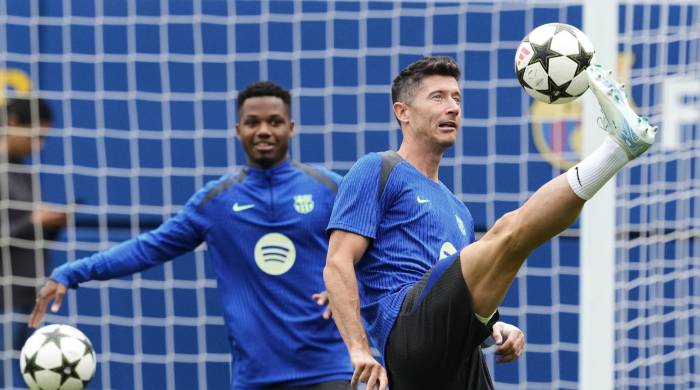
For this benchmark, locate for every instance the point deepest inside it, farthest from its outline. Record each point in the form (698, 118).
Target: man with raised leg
(395, 228)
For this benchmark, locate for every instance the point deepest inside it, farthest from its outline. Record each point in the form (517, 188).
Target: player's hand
(368, 370)
(321, 300)
(49, 218)
(51, 291)
(510, 341)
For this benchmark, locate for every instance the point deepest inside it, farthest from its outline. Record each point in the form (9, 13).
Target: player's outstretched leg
(490, 264)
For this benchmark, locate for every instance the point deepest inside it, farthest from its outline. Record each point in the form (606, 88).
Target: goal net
(657, 283)
(143, 95)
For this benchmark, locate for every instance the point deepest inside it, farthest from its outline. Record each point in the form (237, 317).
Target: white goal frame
(597, 245)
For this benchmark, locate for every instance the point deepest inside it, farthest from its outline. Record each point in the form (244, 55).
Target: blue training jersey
(265, 233)
(412, 221)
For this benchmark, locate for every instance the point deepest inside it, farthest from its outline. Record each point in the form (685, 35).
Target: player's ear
(401, 111)
(292, 129)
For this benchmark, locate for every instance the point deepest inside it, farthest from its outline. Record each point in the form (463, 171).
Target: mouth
(447, 125)
(263, 146)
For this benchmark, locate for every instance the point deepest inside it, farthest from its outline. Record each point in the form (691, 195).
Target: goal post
(597, 249)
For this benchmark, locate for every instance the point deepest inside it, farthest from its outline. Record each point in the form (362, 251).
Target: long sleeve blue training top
(265, 233)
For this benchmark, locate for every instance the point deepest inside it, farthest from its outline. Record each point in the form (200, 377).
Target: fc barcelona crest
(556, 130)
(303, 204)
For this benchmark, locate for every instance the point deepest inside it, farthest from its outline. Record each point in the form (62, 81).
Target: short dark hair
(406, 83)
(265, 88)
(23, 110)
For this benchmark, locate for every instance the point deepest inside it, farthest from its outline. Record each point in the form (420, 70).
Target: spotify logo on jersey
(275, 253)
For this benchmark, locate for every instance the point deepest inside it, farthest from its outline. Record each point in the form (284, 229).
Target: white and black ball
(551, 61)
(57, 357)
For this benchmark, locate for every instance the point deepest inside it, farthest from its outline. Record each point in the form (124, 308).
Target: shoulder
(217, 187)
(369, 160)
(381, 165)
(368, 165)
(389, 160)
(370, 174)
(322, 175)
(373, 167)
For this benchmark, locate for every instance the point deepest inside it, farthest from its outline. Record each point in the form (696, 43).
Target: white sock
(591, 174)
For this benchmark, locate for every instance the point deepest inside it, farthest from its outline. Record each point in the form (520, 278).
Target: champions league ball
(57, 357)
(551, 61)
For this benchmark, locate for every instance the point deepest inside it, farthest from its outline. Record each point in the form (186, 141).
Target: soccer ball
(57, 357)
(551, 62)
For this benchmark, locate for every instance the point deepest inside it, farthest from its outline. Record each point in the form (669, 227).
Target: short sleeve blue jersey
(265, 233)
(413, 222)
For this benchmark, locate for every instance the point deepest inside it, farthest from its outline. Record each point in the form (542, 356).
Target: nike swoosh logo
(578, 177)
(421, 200)
(242, 207)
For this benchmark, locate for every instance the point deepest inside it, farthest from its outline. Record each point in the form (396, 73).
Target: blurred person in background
(25, 222)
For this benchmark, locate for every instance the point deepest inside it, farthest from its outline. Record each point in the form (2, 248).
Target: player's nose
(453, 107)
(264, 130)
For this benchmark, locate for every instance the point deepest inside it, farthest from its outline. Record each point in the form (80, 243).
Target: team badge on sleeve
(303, 204)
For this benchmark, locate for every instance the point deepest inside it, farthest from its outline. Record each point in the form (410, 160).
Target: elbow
(330, 271)
(338, 268)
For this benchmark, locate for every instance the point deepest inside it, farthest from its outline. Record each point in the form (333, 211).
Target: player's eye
(437, 97)
(274, 122)
(457, 99)
(251, 123)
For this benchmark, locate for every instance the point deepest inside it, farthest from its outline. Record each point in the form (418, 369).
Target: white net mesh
(143, 95)
(657, 283)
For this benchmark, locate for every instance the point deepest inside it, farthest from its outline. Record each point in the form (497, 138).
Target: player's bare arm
(344, 250)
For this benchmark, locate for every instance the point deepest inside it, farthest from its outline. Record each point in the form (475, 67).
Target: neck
(424, 158)
(275, 164)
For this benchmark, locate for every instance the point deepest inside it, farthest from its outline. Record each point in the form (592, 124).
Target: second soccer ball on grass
(57, 357)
